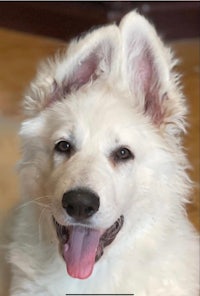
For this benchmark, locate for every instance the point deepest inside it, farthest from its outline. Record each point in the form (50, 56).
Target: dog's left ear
(92, 57)
(147, 67)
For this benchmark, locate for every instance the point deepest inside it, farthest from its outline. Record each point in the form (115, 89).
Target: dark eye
(122, 154)
(64, 147)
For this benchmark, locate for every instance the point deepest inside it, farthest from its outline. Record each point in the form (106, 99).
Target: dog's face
(92, 152)
(104, 119)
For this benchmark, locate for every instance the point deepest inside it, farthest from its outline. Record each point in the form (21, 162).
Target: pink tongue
(80, 251)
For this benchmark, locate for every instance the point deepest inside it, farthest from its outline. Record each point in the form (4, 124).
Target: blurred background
(31, 31)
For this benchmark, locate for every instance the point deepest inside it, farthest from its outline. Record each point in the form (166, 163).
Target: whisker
(35, 201)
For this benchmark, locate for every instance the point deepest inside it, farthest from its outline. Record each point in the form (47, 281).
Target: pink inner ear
(144, 71)
(153, 108)
(145, 74)
(82, 74)
(146, 81)
(149, 76)
(87, 67)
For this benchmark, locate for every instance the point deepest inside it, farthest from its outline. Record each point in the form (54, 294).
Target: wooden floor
(19, 55)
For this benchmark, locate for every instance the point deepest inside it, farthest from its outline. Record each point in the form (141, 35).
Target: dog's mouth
(82, 246)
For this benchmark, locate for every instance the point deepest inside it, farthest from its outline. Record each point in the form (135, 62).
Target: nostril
(70, 209)
(89, 211)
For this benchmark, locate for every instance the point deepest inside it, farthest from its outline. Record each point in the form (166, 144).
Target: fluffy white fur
(114, 87)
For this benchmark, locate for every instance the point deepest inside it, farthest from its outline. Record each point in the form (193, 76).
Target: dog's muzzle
(81, 246)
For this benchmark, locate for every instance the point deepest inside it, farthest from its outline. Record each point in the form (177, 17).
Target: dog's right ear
(86, 60)
(147, 67)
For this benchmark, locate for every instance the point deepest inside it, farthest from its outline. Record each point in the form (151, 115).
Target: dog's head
(104, 118)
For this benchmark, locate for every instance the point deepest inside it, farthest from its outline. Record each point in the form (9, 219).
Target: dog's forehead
(96, 111)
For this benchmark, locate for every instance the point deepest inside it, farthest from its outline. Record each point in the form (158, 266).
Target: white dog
(103, 172)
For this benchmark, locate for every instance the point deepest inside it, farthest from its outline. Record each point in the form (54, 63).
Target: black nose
(80, 203)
